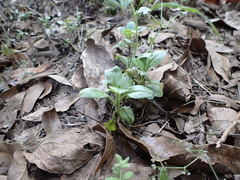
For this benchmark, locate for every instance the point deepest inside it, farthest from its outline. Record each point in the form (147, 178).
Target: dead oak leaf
(64, 151)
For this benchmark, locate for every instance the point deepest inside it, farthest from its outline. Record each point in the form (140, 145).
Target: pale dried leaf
(50, 121)
(194, 122)
(65, 151)
(95, 61)
(18, 168)
(220, 64)
(37, 115)
(78, 79)
(64, 104)
(31, 97)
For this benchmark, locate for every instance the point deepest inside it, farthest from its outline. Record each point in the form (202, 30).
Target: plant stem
(136, 34)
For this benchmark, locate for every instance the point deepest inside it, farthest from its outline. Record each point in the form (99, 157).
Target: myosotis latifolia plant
(118, 169)
(133, 83)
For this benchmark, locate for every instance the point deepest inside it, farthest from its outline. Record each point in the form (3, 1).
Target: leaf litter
(48, 131)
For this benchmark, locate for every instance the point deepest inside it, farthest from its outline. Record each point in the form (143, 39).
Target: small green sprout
(118, 169)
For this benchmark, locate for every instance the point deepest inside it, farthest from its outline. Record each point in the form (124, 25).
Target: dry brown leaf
(61, 79)
(175, 88)
(47, 90)
(95, 61)
(18, 168)
(221, 118)
(217, 47)
(163, 148)
(194, 122)
(228, 102)
(227, 131)
(160, 36)
(232, 19)
(50, 121)
(109, 151)
(64, 151)
(78, 79)
(226, 158)
(64, 104)
(9, 112)
(220, 64)
(36, 115)
(6, 155)
(31, 97)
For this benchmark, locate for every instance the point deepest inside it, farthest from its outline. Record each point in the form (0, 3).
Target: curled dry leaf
(78, 79)
(64, 151)
(175, 88)
(109, 152)
(220, 64)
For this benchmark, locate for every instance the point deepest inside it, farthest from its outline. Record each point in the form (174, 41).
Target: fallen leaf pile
(48, 132)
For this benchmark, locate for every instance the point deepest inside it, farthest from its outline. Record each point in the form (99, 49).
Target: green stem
(121, 173)
(136, 34)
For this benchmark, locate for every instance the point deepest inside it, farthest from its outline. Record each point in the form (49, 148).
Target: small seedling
(121, 86)
(118, 169)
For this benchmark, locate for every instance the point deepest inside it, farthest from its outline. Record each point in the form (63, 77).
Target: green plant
(201, 155)
(21, 34)
(122, 86)
(118, 169)
(133, 83)
(188, 9)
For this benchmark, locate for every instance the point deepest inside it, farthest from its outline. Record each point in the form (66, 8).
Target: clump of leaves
(118, 169)
(120, 86)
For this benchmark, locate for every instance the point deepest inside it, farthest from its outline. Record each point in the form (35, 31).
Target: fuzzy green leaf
(113, 75)
(154, 59)
(93, 93)
(125, 3)
(116, 171)
(163, 175)
(143, 10)
(156, 89)
(111, 125)
(127, 114)
(139, 92)
(117, 90)
(125, 60)
(128, 175)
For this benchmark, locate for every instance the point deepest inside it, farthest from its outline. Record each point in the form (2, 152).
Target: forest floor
(187, 129)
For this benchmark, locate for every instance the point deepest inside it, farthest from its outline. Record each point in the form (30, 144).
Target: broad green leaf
(117, 90)
(156, 89)
(121, 29)
(118, 158)
(111, 125)
(143, 10)
(126, 81)
(163, 175)
(128, 175)
(116, 3)
(138, 63)
(131, 25)
(116, 171)
(133, 72)
(129, 32)
(126, 114)
(141, 28)
(139, 92)
(123, 43)
(93, 93)
(111, 178)
(125, 3)
(125, 60)
(113, 75)
(154, 59)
